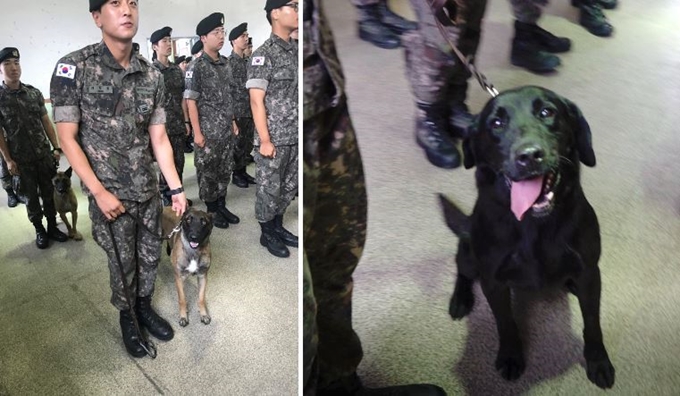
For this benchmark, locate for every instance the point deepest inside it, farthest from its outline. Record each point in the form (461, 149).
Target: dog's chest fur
(194, 261)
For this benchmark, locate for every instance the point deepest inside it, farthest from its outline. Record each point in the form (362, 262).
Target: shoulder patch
(189, 74)
(258, 61)
(66, 70)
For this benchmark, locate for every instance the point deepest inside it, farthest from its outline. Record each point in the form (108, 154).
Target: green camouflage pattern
(277, 182)
(174, 95)
(335, 215)
(527, 11)
(139, 250)
(113, 108)
(21, 112)
(244, 142)
(239, 76)
(274, 69)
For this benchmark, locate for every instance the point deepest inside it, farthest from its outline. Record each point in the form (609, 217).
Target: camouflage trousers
(335, 211)
(434, 72)
(244, 142)
(214, 163)
(140, 251)
(5, 176)
(277, 182)
(35, 183)
(527, 11)
(177, 142)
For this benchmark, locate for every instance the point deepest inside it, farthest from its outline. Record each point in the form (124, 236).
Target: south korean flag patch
(67, 71)
(258, 61)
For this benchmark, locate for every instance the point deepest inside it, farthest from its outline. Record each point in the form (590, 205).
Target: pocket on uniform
(284, 74)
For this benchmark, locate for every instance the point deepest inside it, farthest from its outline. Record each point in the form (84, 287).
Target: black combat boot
(460, 118)
(606, 4)
(528, 52)
(284, 235)
(353, 387)
(218, 220)
(592, 18)
(149, 319)
(12, 199)
(271, 240)
(130, 337)
(395, 22)
(41, 238)
(238, 179)
(548, 41)
(432, 136)
(372, 29)
(250, 179)
(222, 208)
(53, 232)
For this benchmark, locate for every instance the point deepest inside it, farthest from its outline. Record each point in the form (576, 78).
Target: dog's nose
(528, 155)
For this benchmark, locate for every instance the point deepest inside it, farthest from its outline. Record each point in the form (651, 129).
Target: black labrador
(531, 225)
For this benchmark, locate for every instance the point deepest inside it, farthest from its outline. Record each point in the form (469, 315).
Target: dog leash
(441, 19)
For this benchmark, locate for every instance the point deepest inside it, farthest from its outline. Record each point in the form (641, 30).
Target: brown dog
(65, 202)
(189, 250)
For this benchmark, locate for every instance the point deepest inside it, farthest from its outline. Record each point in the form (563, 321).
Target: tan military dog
(65, 202)
(189, 250)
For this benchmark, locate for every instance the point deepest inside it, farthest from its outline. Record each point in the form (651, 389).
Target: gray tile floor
(628, 88)
(60, 334)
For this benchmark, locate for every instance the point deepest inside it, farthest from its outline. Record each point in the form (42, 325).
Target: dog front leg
(202, 282)
(510, 359)
(76, 235)
(598, 366)
(67, 224)
(179, 284)
(463, 299)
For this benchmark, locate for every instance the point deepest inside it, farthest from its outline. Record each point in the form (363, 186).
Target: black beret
(237, 31)
(250, 41)
(160, 34)
(189, 59)
(273, 4)
(180, 59)
(96, 5)
(197, 47)
(216, 19)
(135, 48)
(8, 53)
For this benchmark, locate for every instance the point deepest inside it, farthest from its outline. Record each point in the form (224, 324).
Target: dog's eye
(497, 123)
(546, 112)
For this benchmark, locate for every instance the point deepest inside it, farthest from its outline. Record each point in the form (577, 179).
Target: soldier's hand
(109, 205)
(179, 204)
(236, 130)
(188, 127)
(13, 168)
(199, 140)
(268, 150)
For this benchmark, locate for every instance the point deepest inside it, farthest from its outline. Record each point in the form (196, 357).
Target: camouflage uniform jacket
(274, 69)
(324, 83)
(174, 92)
(21, 113)
(239, 75)
(207, 82)
(113, 108)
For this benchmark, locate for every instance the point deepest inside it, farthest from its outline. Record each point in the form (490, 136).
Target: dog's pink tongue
(193, 245)
(523, 194)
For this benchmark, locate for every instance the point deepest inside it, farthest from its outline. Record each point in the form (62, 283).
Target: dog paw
(601, 372)
(183, 322)
(510, 367)
(461, 305)
(205, 319)
(76, 236)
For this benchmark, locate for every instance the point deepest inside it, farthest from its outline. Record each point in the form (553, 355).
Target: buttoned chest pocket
(144, 104)
(284, 74)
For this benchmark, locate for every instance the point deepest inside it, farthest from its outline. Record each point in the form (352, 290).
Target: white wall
(46, 30)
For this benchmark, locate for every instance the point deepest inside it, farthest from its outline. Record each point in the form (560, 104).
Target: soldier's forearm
(4, 149)
(260, 120)
(193, 116)
(49, 131)
(77, 159)
(162, 150)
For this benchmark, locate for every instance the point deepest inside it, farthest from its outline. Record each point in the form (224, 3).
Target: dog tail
(457, 221)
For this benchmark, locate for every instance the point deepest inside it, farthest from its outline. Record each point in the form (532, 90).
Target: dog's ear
(68, 172)
(579, 125)
(468, 152)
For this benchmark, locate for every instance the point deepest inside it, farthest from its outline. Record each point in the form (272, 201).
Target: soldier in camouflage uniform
(334, 223)
(210, 103)
(438, 78)
(273, 85)
(108, 106)
(177, 124)
(379, 25)
(244, 117)
(25, 129)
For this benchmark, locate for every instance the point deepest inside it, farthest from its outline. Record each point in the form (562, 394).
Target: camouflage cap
(8, 53)
(160, 34)
(212, 21)
(237, 31)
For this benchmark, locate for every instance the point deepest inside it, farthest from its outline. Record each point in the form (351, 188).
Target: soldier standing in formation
(25, 136)
(273, 85)
(244, 117)
(177, 124)
(210, 103)
(108, 106)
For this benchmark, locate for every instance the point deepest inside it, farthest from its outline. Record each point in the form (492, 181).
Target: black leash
(441, 18)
